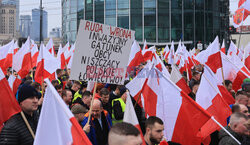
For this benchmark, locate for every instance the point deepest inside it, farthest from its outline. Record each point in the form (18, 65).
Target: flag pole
(240, 28)
(27, 124)
(224, 129)
(91, 105)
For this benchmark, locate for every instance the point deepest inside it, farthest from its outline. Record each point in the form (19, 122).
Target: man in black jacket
(15, 131)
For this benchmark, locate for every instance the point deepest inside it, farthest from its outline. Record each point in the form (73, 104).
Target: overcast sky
(53, 7)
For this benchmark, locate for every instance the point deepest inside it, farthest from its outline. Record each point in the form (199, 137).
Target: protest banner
(101, 53)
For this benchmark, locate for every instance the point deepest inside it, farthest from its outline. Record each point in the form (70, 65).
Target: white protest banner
(101, 53)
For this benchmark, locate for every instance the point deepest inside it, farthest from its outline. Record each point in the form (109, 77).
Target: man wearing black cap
(15, 131)
(118, 106)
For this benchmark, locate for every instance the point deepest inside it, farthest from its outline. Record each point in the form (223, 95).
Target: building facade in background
(55, 33)
(7, 22)
(156, 21)
(25, 25)
(15, 3)
(35, 29)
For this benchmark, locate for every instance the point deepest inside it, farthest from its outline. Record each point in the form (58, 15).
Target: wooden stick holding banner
(91, 105)
(27, 124)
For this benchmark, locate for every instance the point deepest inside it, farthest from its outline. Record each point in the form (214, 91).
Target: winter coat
(225, 139)
(15, 131)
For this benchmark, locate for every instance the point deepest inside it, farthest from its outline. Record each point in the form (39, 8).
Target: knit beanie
(25, 92)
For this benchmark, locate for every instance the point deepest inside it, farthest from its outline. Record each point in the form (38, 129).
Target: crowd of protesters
(108, 108)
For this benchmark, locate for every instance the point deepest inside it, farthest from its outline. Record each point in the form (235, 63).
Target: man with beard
(154, 130)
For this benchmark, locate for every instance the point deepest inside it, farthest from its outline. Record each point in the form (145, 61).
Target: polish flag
(61, 57)
(34, 53)
(233, 70)
(246, 56)
(226, 95)
(68, 52)
(57, 125)
(177, 78)
(160, 65)
(166, 53)
(47, 65)
(145, 46)
(3, 54)
(232, 49)
(241, 2)
(130, 116)
(135, 57)
(14, 83)
(70, 62)
(9, 58)
(90, 86)
(174, 107)
(223, 48)
(50, 47)
(171, 54)
(8, 104)
(22, 62)
(148, 54)
(209, 97)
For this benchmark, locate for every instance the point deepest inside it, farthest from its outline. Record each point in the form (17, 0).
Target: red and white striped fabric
(135, 57)
(47, 65)
(34, 53)
(22, 62)
(130, 116)
(8, 104)
(223, 47)
(14, 83)
(50, 47)
(174, 107)
(177, 78)
(3, 54)
(57, 125)
(61, 57)
(209, 97)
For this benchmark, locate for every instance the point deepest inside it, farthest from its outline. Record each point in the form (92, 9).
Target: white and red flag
(61, 57)
(145, 46)
(57, 125)
(4, 51)
(171, 54)
(68, 52)
(14, 83)
(174, 107)
(47, 65)
(178, 79)
(22, 62)
(209, 97)
(34, 53)
(135, 57)
(50, 47)
(246, 56)
(130, 116)
(166, 53)
(223, 47)
(233, 70)
(148, 54)
(8, 104)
